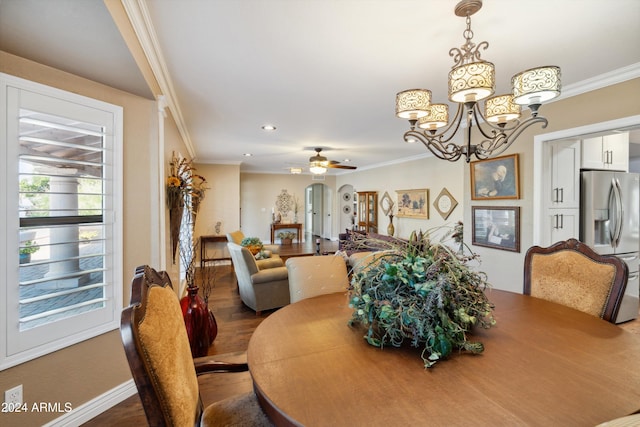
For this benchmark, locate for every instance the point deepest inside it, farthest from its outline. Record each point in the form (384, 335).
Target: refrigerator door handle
(617, 190)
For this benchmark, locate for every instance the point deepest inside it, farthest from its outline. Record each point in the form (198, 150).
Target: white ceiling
(324, 72)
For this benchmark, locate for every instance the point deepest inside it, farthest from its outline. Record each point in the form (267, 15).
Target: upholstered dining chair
(628, 421)
(310, 276)
(157, 348)
(571, 273)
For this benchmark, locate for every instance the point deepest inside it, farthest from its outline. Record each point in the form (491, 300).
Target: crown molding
(603, 80)
(138, 15)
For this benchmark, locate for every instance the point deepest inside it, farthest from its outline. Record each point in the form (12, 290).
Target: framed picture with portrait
(496, 178)
(496, 227)
(413, 203)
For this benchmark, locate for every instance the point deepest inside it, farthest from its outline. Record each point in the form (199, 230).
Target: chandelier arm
(455, 124)
(498, 146)
(440, 149)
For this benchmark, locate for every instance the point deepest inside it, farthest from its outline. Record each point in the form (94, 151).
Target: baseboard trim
(95, 407)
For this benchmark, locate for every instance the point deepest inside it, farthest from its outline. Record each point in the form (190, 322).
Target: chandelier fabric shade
(437, 117)
(413, 104)
(471, 80)
(501, 109)
(536, 85)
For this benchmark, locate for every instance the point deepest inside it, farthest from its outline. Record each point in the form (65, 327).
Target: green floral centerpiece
(254, 244)
(424, 293)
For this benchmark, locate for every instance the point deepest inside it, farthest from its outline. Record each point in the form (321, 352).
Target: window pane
(62, 255)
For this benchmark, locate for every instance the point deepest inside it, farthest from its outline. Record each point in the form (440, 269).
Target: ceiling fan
(318, 164)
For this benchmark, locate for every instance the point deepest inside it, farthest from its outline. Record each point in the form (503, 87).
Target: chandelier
(471, 80)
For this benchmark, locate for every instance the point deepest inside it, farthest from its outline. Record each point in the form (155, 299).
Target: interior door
(317, 209)
(327, 208)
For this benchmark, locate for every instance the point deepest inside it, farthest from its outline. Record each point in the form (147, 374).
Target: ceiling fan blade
(339, 166)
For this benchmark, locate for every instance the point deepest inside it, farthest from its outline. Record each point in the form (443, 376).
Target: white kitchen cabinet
(609, 152)
(562, 224)
(564, 189)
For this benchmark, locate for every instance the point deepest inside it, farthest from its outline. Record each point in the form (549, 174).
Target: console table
(203, 249)
(297, 227)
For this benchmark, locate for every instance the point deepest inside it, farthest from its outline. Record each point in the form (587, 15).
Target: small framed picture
(496, 178)
(413, 203)
(496, 227)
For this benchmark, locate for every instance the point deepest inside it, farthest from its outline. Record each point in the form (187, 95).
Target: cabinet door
(610, 152)
(565, 174)
(592, 153)
(616, 150)
(562, 224)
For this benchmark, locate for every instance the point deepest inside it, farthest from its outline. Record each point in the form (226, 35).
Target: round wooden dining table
(544, 364)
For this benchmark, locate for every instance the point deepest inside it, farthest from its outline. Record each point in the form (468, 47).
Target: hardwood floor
(236, 323)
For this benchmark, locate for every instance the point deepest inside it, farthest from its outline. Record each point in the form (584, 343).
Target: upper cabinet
(610, 152)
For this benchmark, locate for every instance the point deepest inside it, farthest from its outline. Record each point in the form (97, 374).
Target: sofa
(260, 289)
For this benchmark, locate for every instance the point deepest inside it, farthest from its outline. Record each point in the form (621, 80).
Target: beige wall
(430, 173)
(222, 200)
(505, 269)
(86, 370)
(258, 194)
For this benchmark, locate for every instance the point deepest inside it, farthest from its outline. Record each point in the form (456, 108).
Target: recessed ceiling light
(247, 154)
(296, 171)
(346, 160)
(268, 127)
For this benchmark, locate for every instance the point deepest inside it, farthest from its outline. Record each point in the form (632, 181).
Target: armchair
(157, 349)
(273, 261)
(260, 289)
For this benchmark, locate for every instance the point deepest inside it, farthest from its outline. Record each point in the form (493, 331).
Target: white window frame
(18, 347)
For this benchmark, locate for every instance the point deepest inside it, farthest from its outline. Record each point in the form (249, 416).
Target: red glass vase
(197, 320)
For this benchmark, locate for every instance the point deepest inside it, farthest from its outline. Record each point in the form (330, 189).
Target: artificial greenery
(286, 235)
(422, 292)
(29, 247)
(251, 241)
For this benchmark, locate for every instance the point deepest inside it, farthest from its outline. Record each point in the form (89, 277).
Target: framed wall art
(496, 227)
(445, 203)
(496, 178)
(413, 203)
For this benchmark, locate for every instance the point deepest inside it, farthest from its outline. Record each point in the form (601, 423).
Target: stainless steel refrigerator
(610, 224)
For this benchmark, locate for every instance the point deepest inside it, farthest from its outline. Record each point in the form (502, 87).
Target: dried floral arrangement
(183, 185)
(286, 235)
(422, 292)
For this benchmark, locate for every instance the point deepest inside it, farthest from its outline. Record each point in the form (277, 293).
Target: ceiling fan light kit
(471, 80)
(319, 164)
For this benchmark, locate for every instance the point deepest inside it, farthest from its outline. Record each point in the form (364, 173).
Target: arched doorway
(347, 208)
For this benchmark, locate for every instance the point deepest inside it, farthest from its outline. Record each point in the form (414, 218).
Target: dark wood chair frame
(619, 282)
(145, 277)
